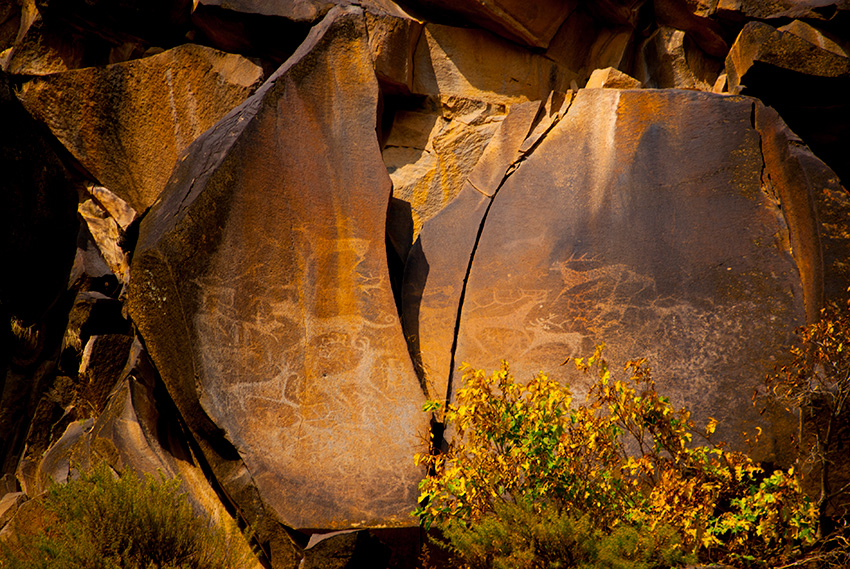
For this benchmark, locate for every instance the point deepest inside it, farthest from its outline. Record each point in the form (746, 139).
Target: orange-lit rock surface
(803, 75)
(260, 286)
(658, 234)
(416, 184)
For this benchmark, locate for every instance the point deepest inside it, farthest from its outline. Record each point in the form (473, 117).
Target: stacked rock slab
(529, 23)
(803, 75)
(635, 223)
(261, 289)
(128, 123)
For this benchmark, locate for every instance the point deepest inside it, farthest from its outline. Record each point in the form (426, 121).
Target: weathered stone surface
(790, 165)
(30, 518)
(611, 78)
(807, 85)
(475, 64)
(118, 209)
(106, 234)
(533, 24)
(504, 148)
(10, 22)
(434, 274)
(392, 42)
(260, 286)
(128, 123)
(585, 43)
(430, 150)
(39, 49)
(760, 43)
(104, 358)
(136, 430)
(9, 504)
(653, 235)
(817, 37)
(667, 60)
(706, 33)
(90, 270)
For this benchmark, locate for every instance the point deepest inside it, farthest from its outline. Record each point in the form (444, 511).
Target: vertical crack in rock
(556, 108)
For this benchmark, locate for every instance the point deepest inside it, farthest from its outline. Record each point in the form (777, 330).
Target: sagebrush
(105, 521)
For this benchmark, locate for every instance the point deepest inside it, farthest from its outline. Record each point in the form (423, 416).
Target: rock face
(128, 123)
(255, 286)
(279, 336)
(655, 242)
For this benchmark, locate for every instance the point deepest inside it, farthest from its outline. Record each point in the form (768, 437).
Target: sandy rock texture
(243, 242)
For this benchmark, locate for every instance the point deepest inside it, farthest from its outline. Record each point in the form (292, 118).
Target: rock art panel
(438, 264)
(128, 123)
(260, 286)
(640, 220)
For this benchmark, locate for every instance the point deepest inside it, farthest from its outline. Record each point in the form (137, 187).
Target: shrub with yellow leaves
(625, 460)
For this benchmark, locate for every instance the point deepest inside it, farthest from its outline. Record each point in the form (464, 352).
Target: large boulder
(260, 286)
(648, 220)
(128, 123)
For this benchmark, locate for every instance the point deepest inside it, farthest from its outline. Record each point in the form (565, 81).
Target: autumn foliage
(624, 463)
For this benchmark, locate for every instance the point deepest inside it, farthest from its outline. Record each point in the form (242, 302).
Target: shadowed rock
(806, 83)
(260, 286)
(529, 23)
